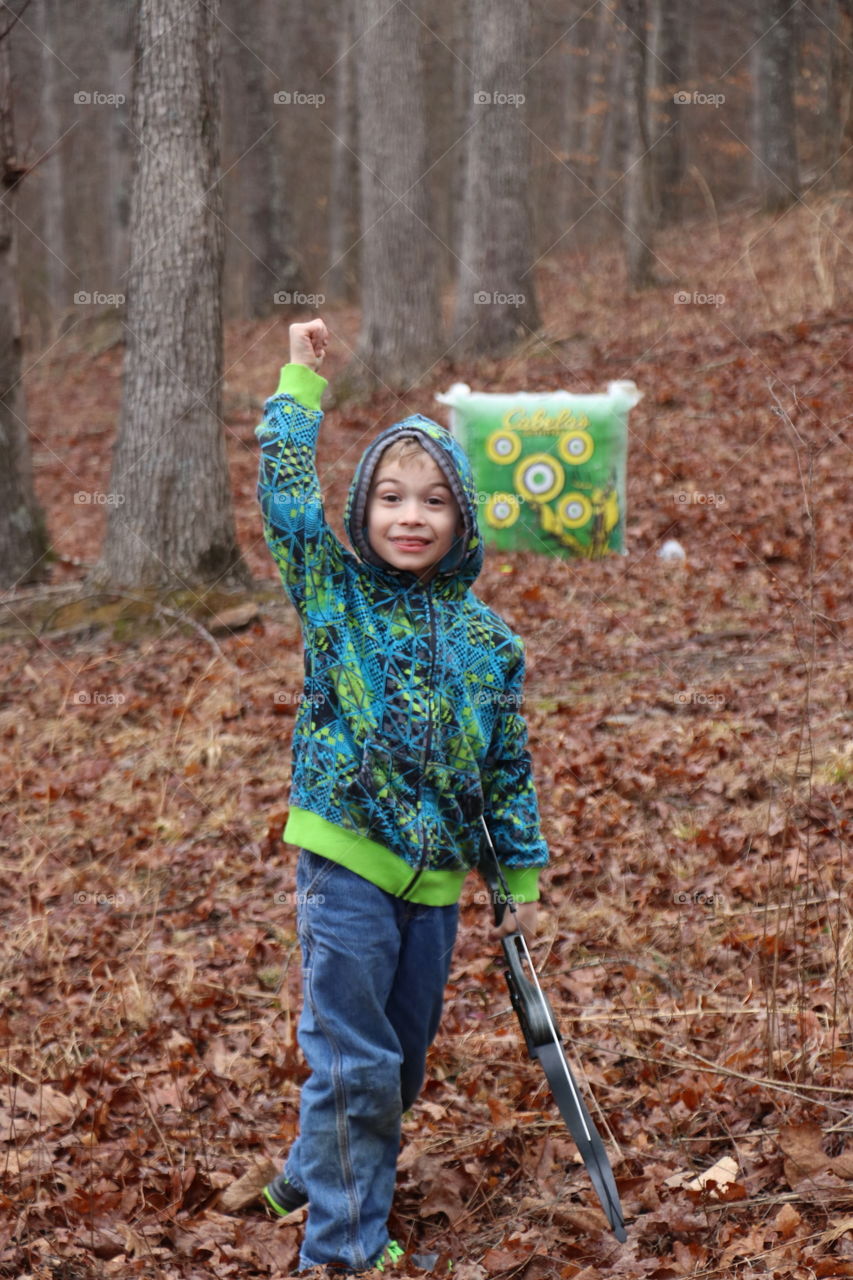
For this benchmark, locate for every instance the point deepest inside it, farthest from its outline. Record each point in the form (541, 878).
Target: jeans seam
(341, 1129)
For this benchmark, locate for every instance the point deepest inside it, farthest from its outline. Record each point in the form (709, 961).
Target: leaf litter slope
(690, 728)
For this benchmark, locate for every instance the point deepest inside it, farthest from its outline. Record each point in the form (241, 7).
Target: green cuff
(523, 883)
(303, 384)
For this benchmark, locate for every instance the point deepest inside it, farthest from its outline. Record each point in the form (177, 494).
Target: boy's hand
(308, 343)
(524, 919)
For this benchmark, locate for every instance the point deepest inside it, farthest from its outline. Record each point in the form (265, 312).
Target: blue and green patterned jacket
(410, 726)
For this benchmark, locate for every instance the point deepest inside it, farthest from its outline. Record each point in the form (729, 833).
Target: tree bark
(669, 156)
(23, 537)
(496, 303)
(835, 111)
(637, 206)
(775, 120)
(265, 264)
(611, 147)
(170, 519)
(59, 278)
(341, 277)
(400, 333)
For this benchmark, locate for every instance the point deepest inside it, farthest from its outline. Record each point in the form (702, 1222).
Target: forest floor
(691, 736)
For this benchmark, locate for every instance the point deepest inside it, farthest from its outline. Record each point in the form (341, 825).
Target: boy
(409, 732)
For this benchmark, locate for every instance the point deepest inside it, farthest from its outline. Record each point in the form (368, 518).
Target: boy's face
(412, 515)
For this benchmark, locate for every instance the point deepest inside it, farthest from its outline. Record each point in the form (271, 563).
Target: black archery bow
(544, 1042)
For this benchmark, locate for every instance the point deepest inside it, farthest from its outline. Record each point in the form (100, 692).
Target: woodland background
(689, 721)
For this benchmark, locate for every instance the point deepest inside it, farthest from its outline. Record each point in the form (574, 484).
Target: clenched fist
(308, 343)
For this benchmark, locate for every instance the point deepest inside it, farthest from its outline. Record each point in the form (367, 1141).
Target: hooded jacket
(410, 726)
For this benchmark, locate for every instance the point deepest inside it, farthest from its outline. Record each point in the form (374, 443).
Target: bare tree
(260, 204)
(400, 333)
(669, 154)
(170, 520)
(496, 295)
(838, 88)
(341, 278)
(637, 206)
(775, 119)
(23, 537)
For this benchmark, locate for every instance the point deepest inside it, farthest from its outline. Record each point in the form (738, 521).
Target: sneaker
(391, 1254)
(282, 1197)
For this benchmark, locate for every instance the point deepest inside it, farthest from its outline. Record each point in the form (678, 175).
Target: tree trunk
(341, 278)
(669, 156)
(266, 264)
(611, 148)
(23, 538)
(835, 111)
(496, 297)
(400, 334)
(461, 93)
(170, 518)
(775, 69)
(637, 210)
(60, 280)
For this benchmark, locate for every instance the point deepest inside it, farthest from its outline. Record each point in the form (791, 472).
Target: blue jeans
(374, 970)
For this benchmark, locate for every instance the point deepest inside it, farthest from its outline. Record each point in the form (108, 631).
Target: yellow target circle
(539, 477)
(574, 510)
(503, 446)
(502, 510)
(576, 447)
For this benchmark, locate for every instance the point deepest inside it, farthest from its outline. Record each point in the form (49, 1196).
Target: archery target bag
(550, 468)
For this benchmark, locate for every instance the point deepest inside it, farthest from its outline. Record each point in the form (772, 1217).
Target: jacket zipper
(424, 852)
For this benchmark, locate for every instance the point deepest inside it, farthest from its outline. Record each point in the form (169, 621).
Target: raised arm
(301, 543)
